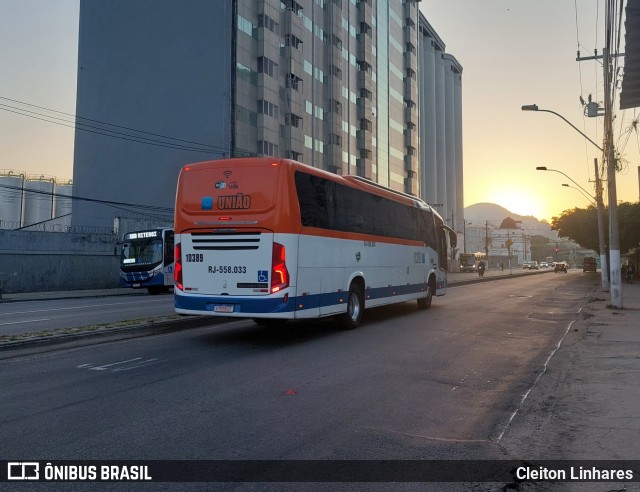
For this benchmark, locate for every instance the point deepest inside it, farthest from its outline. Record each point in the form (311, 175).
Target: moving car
(589, 264)
(560, 266)
(544, 264)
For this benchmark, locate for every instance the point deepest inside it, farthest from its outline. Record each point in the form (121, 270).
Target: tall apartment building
(441, 170)
(332, 83)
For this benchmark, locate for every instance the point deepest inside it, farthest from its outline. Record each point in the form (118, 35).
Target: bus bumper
(239, 307)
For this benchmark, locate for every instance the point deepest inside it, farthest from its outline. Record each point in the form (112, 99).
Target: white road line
(102, 368)
(21, 322)
(82, 307)
(135, 366)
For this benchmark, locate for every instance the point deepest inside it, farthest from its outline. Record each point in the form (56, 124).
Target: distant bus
(468, 262)
(146, 260)
(272, 239)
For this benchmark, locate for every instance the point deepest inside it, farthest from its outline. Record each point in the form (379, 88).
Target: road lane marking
(137, 365)
(123, 365)
(81, 307)
(27, 321)
(106, 366)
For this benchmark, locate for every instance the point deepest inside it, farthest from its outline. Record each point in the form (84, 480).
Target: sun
(521, 201)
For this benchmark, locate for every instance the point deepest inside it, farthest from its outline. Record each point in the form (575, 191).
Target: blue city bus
(146, 260)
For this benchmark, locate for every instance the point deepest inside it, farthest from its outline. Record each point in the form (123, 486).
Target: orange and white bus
(272, 239)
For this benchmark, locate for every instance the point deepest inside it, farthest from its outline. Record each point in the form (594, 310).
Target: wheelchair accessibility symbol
(263, 276)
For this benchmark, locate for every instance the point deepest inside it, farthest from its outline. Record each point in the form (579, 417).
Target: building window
(270, 109)
(291, 40)
(365, 153)
(294, 82)
(293, 120)
(365, 28)
(363, 66)
(293, 6)
(268, 23)
(365, 124)
(292, 154)
(267, 66)
(366, 94)
(267, 148)
(335, 106)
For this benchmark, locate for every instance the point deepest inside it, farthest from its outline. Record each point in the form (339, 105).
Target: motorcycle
(629, 276)
(481, 270)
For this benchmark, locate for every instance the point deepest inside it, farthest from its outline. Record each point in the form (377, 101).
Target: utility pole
(604, 271)
(614, 236)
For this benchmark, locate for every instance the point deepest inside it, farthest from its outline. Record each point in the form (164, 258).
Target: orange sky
(515, 53)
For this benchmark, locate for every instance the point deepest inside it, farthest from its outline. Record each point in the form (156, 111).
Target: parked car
(560, 266)
(589, 264)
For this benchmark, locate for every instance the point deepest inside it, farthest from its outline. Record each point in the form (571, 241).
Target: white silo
(62, 204)
(11, 190)
(37, 200)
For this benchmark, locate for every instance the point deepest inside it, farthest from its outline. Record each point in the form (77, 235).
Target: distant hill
(495, 214)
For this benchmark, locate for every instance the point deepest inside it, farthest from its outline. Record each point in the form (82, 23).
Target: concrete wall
(34, 261)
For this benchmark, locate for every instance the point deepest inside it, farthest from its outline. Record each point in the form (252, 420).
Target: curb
(67, 340)
(478, 279)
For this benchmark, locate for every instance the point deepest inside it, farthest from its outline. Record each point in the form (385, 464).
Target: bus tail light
(177, 269)
(279, 272)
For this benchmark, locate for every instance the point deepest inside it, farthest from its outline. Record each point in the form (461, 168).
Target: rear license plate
(223, 308)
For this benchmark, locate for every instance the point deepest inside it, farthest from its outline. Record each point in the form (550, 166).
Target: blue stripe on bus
(142, 278)
(269, 305)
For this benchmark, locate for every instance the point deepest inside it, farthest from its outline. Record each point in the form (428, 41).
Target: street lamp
(545, 168)
(604, 278)
(534, 107)
(616, 297)
(587, 195)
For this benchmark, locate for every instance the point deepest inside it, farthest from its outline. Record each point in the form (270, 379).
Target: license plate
(223, 308)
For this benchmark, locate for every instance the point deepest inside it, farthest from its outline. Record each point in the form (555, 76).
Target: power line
(202, 148)
(101, 131)
(114, 125)
(152, 208)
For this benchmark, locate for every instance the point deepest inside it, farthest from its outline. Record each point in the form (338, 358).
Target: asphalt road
(438, 384)
(35, 316)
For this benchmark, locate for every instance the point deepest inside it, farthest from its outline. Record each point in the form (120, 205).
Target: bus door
(168, 257)
(447, 241)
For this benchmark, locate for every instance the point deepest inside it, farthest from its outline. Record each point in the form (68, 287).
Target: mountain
(495, 214)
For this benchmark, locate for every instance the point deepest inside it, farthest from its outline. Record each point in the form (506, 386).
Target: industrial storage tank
(11, 190)
(37, 203)
(62, 204)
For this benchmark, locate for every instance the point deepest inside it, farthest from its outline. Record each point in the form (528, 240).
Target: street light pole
(588, 197)
(604, 271)
(534, 107)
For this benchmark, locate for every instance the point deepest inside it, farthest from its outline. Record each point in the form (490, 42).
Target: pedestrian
(502, 266)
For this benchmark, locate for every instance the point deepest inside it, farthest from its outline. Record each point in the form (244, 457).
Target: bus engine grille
(228, 241)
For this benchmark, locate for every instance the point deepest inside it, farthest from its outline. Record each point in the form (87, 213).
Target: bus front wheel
(425, 302)
(355, 305)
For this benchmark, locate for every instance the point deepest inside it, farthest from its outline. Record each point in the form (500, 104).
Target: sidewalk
(586, 405)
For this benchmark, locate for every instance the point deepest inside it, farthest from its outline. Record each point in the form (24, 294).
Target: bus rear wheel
(355, 306)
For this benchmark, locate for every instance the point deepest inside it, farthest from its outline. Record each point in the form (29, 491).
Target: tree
(581, 225)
